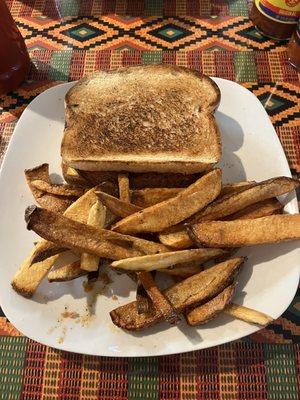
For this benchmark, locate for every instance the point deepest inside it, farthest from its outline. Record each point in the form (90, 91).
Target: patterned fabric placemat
(233, 371)
(69, 39)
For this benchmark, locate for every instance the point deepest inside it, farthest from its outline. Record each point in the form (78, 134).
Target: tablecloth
(69, 39)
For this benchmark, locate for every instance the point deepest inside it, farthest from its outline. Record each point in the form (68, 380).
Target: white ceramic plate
(268, 281)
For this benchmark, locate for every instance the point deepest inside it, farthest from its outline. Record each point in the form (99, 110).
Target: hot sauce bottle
(14, 58)
(294, 48)
(275, 19)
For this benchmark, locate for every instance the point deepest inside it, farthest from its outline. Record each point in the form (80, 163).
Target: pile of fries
(187, 233)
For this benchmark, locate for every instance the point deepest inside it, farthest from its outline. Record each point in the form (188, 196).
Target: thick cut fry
(78, 211)
(183, 270)
(159, 300)
(66, 273)
(29, 276)
(247, 232)
(248, 314)
(157, 261)
(142, 300)
(85, 238)
(46, 200)
(150, 196)
(172, 211)
(187, 293)
(97, 215)
(207, 311)
(231, 188)
(72, 171)
(72, 177)
(177, 237)
(124, 191)
(233, 203)
(58, 190)
(258, 210)
(109, 188)
(38, 263)
(117, 207)
(48, 250)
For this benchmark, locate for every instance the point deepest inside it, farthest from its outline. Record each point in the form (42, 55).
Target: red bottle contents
(14, 58)
(275, 19)
(294, 48)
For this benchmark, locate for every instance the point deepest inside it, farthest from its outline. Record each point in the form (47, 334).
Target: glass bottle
(14, 58)
(275, 19)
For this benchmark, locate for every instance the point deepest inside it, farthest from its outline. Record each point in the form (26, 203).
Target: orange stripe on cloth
(188, 377)
(51, 374)
(227, 372)
(90, 377)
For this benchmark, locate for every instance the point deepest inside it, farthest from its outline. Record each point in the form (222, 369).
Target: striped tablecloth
(70, 38)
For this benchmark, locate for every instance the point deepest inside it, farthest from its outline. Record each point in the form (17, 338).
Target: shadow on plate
(232, 140)
(259, 254)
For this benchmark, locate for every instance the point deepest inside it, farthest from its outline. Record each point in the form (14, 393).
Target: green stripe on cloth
(12, 351)
(154, 7)
(60, 65)
(151, 57)
(143, 378)
(281, 373)
(245, 69)
(238, 8)
(69, 8)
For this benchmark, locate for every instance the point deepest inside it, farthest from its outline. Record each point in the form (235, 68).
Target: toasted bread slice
(144, 118)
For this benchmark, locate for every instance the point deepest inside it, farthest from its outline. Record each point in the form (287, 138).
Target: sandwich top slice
(139, 119)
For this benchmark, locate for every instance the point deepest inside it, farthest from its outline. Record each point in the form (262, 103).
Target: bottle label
(284, 11)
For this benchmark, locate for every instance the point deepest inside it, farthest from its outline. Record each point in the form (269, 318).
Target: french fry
(73, 177)
(164, 260)
(231, 188)
(58, 190)
(85, 238)
(207, 311)
(29, 276)
(183, 270)
(109, 188)
(258, 210)
(246, 232)
(124, 191)
(97, 216)
(255, 193)
(150, 196)
(122, 208)
(170, 212)
(193, 290)
(48, 249)
(176, 237)
(66, 273)
(78, 211)
(159, 301)
(142, 300)
(37, 264)
(117, 207)
(232, 206)
(46, 200)
(248, 314)
(72, 171)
